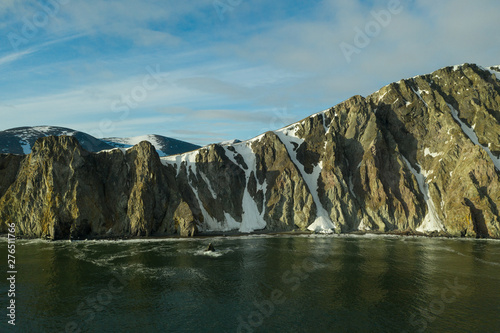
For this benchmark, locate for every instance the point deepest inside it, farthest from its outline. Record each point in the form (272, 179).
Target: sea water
(256, 284)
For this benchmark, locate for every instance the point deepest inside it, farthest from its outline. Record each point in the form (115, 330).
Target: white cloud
(216, 71)
(15, 56)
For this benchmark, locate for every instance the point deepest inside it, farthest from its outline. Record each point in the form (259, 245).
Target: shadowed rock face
(419, 154)
(9, 165)
(63, 191)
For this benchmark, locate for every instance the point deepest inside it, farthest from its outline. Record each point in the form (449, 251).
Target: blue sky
(206, 71)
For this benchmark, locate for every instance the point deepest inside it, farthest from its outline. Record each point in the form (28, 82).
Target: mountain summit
(419, 155)
(20, 140)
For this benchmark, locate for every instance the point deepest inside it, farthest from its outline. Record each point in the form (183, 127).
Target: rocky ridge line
(418, 155)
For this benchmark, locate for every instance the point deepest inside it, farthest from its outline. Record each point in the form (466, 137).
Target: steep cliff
(418, 155)
(63, 191)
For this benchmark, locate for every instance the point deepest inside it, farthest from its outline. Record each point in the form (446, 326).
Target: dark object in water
(210, 248)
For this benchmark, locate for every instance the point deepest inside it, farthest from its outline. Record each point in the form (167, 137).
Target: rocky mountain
(229, 142)
(20, 140)
(419, 155)
(163, 145)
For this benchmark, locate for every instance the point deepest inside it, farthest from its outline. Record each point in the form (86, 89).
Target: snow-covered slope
(229, 142)
(164, 146)
(20, 140)
(310, 147)
(419, 155)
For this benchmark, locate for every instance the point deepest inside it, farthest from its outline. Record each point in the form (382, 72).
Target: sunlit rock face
(419, 155)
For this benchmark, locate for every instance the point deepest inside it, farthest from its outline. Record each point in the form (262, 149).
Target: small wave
(214, 254)
(31, 241)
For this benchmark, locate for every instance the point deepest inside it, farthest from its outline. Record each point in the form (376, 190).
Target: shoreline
(236, 234)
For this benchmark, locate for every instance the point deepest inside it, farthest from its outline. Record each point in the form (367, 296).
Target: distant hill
(20, 140)
(164, 146)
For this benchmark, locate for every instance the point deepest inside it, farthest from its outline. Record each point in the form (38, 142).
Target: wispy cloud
(228, 77)
(15, 56)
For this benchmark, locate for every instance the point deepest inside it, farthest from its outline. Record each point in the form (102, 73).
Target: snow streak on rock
(188, 159)
(209, 185)
(252, 219)
(210, 223)
(363, 226)
(287, 136)
(473, 137)
(419, 94)
(427, 152)
(431, 221)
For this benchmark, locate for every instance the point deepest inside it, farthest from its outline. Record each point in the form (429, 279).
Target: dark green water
(259, 284)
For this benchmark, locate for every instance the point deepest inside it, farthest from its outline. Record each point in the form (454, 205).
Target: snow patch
(311, 179)
(322, 112)
(68, 133)
(473, 137)
(232, 156)
(138, 139)
(210, 222)
(324, 124)
(231, 223)
(123, 150)
(431, 220)
(425, 173)
(363, 226)
(252, 219)
(44, 129)
(382, 96)
(322, 225)
(26, 147)
(205, 179)
(188, 159)
(427, 152)
(256, 139)
(419, 94)
(229, 142)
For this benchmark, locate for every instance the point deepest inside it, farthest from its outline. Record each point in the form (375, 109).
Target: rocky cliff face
(418, 155)
(63, 191)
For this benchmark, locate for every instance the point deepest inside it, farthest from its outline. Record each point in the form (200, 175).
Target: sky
(206, 71)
